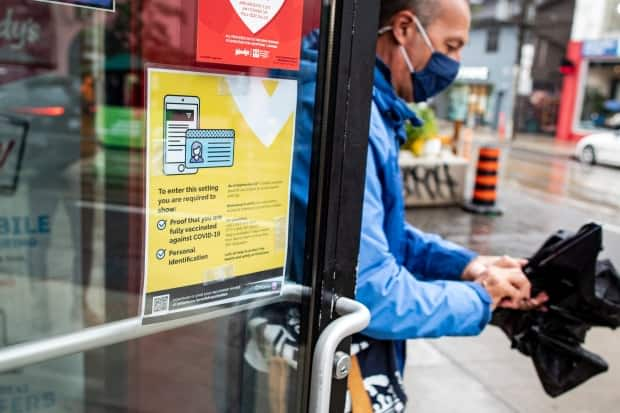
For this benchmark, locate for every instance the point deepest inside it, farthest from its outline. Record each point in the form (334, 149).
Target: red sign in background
(256, 33)
(27, 35)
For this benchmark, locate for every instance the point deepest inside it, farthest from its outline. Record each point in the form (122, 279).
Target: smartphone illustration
(180, 114)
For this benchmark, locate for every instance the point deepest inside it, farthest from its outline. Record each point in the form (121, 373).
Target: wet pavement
(539, 194)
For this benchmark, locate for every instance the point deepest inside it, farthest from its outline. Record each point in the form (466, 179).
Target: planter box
(433, 181)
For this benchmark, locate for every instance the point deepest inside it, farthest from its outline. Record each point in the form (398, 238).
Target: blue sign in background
(209, 148)
(601, 48)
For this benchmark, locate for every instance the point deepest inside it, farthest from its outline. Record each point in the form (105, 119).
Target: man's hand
(505, 281)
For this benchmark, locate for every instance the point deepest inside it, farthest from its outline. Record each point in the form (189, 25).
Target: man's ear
(403, 26)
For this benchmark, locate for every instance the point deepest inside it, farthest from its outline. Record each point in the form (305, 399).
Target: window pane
(493, 39)
(602, 85)
(72, 189)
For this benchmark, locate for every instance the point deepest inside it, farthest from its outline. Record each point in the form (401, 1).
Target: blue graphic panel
(97, 4)
(209, 148)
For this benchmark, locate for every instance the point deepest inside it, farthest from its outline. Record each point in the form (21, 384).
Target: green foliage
(429, 130)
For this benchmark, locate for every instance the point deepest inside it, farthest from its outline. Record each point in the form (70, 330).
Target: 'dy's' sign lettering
(17, 32)
(27, 33)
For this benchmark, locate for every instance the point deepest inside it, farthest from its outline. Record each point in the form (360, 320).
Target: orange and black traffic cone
(484, 198)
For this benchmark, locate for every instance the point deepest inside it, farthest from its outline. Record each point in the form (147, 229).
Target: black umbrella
(583, 293)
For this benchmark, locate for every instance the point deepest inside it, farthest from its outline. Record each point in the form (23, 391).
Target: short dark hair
(426, 10)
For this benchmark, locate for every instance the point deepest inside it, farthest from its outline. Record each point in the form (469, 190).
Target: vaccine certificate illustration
(219, 162)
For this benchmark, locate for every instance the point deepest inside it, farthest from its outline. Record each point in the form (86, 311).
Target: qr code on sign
(161, 304)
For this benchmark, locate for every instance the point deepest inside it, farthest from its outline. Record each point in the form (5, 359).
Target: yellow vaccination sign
(219, 154)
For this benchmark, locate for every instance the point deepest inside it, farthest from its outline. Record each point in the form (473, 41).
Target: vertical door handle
(354, 317)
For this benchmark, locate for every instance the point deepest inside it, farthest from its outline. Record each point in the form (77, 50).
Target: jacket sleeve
(432, 258)
(401, 306)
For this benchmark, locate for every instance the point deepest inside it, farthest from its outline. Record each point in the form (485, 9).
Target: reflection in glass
(71, 227)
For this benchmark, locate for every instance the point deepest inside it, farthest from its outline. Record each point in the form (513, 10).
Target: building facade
(483, 93)
(515, 48)
(591, 86)
(546, 39)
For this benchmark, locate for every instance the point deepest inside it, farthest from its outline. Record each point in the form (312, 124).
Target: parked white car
(600, 148)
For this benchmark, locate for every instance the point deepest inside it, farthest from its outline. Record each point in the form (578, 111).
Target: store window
(601, 94)
(477, 104)
(469, 103)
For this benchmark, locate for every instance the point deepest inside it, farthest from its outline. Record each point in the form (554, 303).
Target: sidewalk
(530, 142)
(544, 144)
(483, 374)
(537, 143)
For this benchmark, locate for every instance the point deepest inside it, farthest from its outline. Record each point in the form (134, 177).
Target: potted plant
(418, 138)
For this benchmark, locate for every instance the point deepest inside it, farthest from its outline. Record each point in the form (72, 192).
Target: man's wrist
(485, 299)
(475, 271)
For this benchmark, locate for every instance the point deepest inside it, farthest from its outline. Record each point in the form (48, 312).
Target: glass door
(145, 143)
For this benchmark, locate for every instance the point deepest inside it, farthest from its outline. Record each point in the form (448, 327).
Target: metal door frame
(340, 148)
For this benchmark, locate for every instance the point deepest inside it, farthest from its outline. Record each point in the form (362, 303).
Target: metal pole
(522, 26)
(26, 354)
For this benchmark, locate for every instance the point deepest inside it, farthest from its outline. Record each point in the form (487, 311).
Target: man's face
(448, 33)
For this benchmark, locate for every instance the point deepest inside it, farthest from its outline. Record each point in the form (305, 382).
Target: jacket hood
(394, 110)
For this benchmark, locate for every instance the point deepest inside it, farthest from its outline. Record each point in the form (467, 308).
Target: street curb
(559, 154)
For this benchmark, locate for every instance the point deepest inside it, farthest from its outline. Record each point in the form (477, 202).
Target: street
(539, 194)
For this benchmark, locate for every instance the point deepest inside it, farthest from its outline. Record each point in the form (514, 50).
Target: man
(414, 284)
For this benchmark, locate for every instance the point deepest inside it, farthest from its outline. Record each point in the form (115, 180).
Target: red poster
(258, 33)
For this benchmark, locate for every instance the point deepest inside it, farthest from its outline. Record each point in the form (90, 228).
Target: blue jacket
(409, 280)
